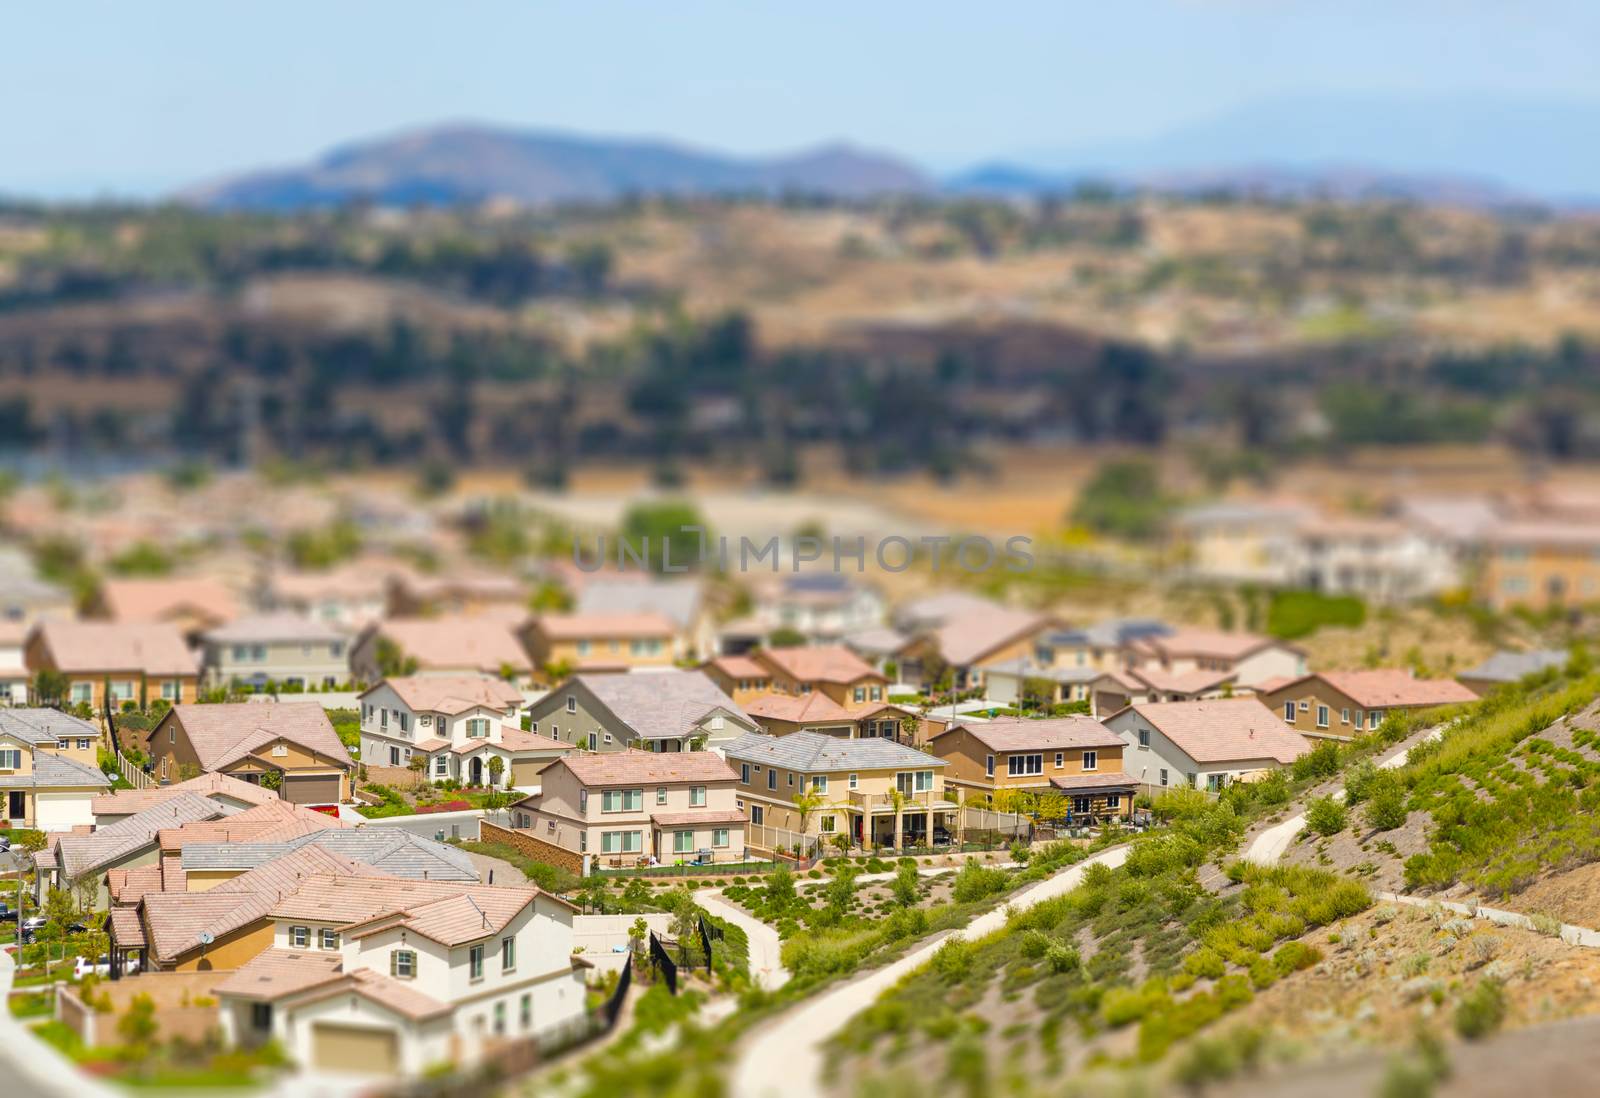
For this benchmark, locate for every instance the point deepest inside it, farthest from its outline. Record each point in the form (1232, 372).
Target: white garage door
(62, 811)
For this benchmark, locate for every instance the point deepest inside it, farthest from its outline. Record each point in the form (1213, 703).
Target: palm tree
(806, 803)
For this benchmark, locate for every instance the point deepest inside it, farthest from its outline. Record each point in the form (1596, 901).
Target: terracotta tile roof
(128, 801)
(1387, 688)
(740, 667)
(224, 733)
(129, 884)
(356, 580)
(356, 901)
(1225, 730)
(279, 628)
(647, 767)
(801, 709)
(452, 693)
(126, 928)
(77, 647)
(152, 600)
(1551, 534)
(462, 641)
(432, 743)
(969, 637)
(275, 973)
(274, 821)
(1209, 643)
(581, 626)
(1115, 780)
(1277, 682)
(515, 739)
(455, 920)
(1184, 682)
(686, 819)
(1046, 735)
(81, 854)
(661, 704)
(824, 663)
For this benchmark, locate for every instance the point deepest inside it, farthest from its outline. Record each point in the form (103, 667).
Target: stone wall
(532, 846)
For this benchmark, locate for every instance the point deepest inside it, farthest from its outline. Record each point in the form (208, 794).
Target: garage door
(311, 789)
(346, 1048)
(61, 811)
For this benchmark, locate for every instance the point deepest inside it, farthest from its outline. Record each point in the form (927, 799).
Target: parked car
(8, 914)
(34, 923)
(5, 843)
(82, 967)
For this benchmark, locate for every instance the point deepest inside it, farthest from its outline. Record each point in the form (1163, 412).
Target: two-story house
(824, 607)
(630, 807)
(457, 724)
(282, 648)
(294, 741)
(969, 636)
(654, 711)
(1076, 758)
(877, 792)
(599, 642)
(374, 976)
(1344, 703)
(190, 604)
(825, 689)
(48, 773)
(483, 644)
(680, 601)
(350, 596)
(113, 663)
(1202, 743)
(1541, 563)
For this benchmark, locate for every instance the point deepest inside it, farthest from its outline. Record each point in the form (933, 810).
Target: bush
(1387, 809)
(1481, 1011)
(1325, 816)
(975, 882)
(1322, 761)
(1360, 782)
(1294, 614)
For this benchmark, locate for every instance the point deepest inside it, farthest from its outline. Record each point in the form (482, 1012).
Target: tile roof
(1512, 666)
(683, 819)
(282, 627)
(52, 771)
(878, 641)
(1180, 682)
(581, 626)
(1386, 687)
(1116, 780)
(95, 646)
(482, 643)
(80, 854)
(1110, 633)
(226, 732)
(273, 821)
(38, 725)
(125, 802)
(823, 663)
(457, 919)
(660, 704)
(1224, 730)
(647, 767)
(128, 885)
(1045, 735)
(969, 637)
(1030, 670)
(1212, 643)
(126, 928)
(1551, 534)
(816, 753)
(452, 693)
(940, 607)
(515, 739)
(392, 850)
(740, 667)
(357, 580)
(679, 601)
(813, 707)
(275, 973)
(152, 600)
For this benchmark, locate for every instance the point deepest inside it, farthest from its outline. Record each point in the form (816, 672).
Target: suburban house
(112, 663)
(599, 642)
(826, 688)
(1505, 668)
(457, 725)
(967, 641)
(781, 714)
(229, 792)
(291, 745)
(823, 607)
(1540, 564)
(458, 593)
(658, 711)
(49, 777)
(632, 807)
(375, 976)
(1076, 758)
(1114, 690)
(1204, 744)
(191, 605)
(1376, 559)
(741, 677)
(854, 786)
(877, 645)
(349, 596)
(1342, 703)
(15, 679)
(1247, 658)
(74, 856)
(1242, 541)
(479, 645)
(1103, 646)
(680, 601)
(277, 648)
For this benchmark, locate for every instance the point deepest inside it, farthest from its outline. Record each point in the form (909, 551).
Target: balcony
(882, 803)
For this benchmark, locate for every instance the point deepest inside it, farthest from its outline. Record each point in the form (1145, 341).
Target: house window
(594, 742)
(383, 718)
(83, 744)
(300, 936)
(171, 689)
(819, 783)
(261, 1017)
(403, 964)
(917, 781)
(478, 728)
(1288, 711)
(860, 694)
(1344, 716)
(441, 766)
(475, 963)
(988, 766)
(1374, 718)
(525, 1011)
(719, 837)
(622, 800)
(1080, 804)
(697, 796)
(661, 794)
(877, 693)
(772, 779)
(82, 692)
(394, 756)
(500, 1019)
(572, 703)
(1061, 759)
(1163, 775)
(583, 801)
(1091, 760)
(621, 842)
(1144, 737)
(1322, 716)
(826, 824)
(744, 773)
(508, 954)
(1360, 717)
(1020, 766)
(329, 938)
(757, 814)
(791, 779)
(10, 759)
(852, 781)
(122, 691)
(683, 842)
(1305, 707)
(583, 648)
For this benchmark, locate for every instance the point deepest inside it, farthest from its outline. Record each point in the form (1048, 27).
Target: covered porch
(922, 819)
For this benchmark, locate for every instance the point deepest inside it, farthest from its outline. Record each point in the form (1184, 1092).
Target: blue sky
(139, 98)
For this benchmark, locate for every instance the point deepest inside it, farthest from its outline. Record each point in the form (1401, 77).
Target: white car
(83, 967)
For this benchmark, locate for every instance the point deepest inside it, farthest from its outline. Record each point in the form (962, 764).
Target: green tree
(272, 779)
(497, 767)
(50, 686)
(807, 802)
(1124, 499)
(138, 1026)
(1325, 815)
(786, 637)
(1386, 810)
(392, 661)
(142, 558)
(665, 532)
(60, 909)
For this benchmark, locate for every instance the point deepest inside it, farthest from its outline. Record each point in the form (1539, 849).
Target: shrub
(953, 960)
(1325, 816)
(1322, 761)
(1205, 962)
(975, 882)
(1387, 809)
(1360, 782)
(1294, 956)
(1481, 1011)
(1062, 958)
(1161, 853)
(905, 886)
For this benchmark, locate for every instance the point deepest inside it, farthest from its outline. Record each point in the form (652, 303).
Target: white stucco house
(1203, 744)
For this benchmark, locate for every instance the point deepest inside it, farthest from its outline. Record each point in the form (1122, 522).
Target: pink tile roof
(740, 667)
(1387, 688)
(275, 973)
(152, 600)
(581, 626)
(225, 733)
(969, 637)
(1225, 730)
(478, 642)
(1210, 643)
(1046, 735)
(799, 709)
(1185, 682)
(1109, 780)
(126, 802)
(824, 663)
(269, 822)
(79, 647)
(453, 693)
(648, 767)
(702, 818)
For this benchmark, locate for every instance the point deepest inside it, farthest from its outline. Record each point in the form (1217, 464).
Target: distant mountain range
(1469, 151)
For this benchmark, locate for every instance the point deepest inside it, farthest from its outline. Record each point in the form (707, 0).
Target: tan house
(468, 593)
(282, 649)
(193, 605)
(1076, 758)
(1202, 744)
(969, 641)
(877, 792)
(832, 670)
(628, 808)
(1541, 564)
(293, 741)
(478, 645)
(1345, 703)
(116, 663)
(1246, 658)
(599, 642)
(782, 714)
(49, 777)
(742, 678)
(1114, 690)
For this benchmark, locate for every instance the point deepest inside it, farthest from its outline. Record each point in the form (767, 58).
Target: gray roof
(676, 600)
(879, 641)
(1031, 670)
(35, 725)
(80, 854)
(660, 704)
(274, 628)
(1512, 666)
(395, 851)
(816, 753)
(55, 771)
(1111, 633)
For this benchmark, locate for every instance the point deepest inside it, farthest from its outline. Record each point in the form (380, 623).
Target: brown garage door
(311, 789)
(346, 1048)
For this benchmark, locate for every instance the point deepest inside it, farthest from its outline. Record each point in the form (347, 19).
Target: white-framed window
(441, 766)
(82, 692)
(826, 824)
(697, 796)
(1091, 760)
(328, 939)
(403, 964)
(988, 766)
(10, 758)
(819, 783)
(683, 842)
(475, 962)
(757, 814)
(744, 773)
(916, 781)
(508, 954)
(719, 837)
(772, 779)
(1288, 711)
(1344, 716)
(853, 781)
(299, 936)
(1322, 716)
(1163, 775)
(1144, 737)
(621, 842)
(572, 703)
(860, 694)
(1305, 707)
(622, 800)
(1021, 766)
(661, 794)
(171, 689)
(1061, 759)
(478, 728)
(1374, 718)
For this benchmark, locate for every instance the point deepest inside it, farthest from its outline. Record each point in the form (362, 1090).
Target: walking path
(784, 1059)
(766, 948)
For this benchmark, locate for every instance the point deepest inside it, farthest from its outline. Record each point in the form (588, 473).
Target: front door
(16, 806)
(477, 771)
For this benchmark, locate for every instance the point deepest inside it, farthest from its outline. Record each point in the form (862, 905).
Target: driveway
(784, 1058)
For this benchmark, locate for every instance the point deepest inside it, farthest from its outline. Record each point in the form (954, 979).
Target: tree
(637, 933)
(786, 637)
(664, 533)
(906, 885)
(1325, 815)
(272, 779)
(1387, 808)
(138, 1026)
(557, 671)
(392, 662)
(807, 802)
(497, 766)
(1123, 499)
(60, 909)
(50, 686)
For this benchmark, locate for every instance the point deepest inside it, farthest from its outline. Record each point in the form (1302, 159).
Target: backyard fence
(664, 964)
